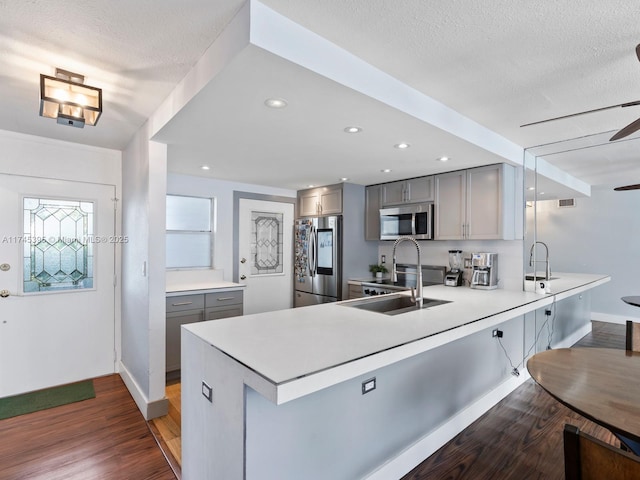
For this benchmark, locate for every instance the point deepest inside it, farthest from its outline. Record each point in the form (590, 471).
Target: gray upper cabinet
(476, 204)
(415, 190)
(373, 195)
(320, 201)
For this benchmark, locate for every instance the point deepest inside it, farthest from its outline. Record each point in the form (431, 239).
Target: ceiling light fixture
(353, 129)
(275, 102)
(386, 170)
(443, 159)
(344, 179)
(531, 189)
(402, 146)
(205, 167)
(66, 98)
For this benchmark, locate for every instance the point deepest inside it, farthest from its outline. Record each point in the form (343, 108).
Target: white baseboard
(148, 409)
(427, 445)
(607, 317)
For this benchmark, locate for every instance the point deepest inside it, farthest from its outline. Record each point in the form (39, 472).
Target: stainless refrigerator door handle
(310, 251)
(312, 254)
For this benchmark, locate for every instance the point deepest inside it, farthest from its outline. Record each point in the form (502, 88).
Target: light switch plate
(369, 385)
(207, 392)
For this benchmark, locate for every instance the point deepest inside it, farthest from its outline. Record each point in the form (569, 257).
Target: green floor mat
(47, 398)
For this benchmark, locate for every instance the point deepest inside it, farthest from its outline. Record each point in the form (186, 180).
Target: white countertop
(192, 281)
(315, 347)
(202, 287)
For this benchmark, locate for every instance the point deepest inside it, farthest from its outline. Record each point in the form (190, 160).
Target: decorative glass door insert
(58, 250)
(266, 243)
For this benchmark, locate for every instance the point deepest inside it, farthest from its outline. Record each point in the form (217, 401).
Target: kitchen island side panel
(339, 433)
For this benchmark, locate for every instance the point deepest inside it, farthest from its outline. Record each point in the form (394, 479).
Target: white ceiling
(500, 63)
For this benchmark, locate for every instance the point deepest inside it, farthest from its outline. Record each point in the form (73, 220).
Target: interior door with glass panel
(57, 293)
(265, 235)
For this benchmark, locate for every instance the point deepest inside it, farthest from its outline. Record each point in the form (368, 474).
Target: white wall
(46, 158)
(143, 273)
(223, 192)
(599, 235)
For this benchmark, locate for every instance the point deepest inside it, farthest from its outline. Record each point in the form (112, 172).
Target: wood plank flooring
(103, 438)
(167, 429)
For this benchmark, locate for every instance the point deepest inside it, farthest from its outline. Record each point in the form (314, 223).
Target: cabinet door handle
(224, 299)
(179, 304)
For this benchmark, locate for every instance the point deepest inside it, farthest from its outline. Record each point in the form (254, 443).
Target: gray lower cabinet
(193, 308)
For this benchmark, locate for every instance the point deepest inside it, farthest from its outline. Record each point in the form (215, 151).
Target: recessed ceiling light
(385, 170)
(402, 146)
(353, 129)
(443, 159)
(540, 193)
(275, 102)
(344, 179)
(205, 167)
(531, 188)
(310, 186)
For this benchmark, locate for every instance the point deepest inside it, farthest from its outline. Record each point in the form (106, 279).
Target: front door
(57, 293)
(265, 232)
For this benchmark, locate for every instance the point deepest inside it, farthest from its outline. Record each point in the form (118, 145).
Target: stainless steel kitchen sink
(392, 304)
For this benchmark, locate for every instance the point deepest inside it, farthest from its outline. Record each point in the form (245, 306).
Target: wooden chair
(587, 458)
(633, 336)
(632, 344)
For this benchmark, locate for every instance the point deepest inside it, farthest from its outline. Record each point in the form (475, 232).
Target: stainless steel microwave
(414, 220)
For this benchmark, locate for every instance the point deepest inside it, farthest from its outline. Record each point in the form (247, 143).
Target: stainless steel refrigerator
(318, 260)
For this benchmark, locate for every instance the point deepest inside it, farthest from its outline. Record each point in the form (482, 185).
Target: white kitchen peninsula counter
(299, 351)
(292, 356)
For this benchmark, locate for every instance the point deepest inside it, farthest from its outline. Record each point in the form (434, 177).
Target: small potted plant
(378, 270)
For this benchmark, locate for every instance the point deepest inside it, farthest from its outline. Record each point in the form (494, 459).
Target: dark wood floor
(521, 437)
(103, 438)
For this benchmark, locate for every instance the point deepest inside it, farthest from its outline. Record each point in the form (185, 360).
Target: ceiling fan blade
(628, 187)
(626, 131)
(623, 105)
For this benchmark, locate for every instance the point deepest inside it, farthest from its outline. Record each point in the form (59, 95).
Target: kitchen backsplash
(510, 267)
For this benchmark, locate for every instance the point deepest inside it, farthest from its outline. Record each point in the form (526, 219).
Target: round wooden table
(601, 384)
(634, 300)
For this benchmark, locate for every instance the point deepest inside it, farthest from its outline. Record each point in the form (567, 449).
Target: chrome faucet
(417, 297)
(546, 261)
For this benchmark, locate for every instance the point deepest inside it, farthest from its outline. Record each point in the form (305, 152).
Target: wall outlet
(497, 333)
(207, 392)
(368, 385)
